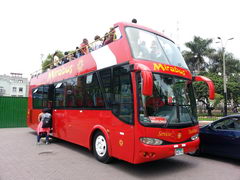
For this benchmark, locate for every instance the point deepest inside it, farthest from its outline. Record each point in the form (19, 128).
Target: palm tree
(216, 63)
(199, 51)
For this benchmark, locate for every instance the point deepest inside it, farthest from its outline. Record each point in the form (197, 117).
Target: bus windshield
(149, 46)
(171, 105)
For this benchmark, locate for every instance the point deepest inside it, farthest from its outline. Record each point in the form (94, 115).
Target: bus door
(121, 103)
(58, 113)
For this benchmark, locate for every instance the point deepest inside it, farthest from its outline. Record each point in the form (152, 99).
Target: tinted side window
(70, 93)
(59, 100)
(93, 94)
(45, 96)
(122, 94)
(227, 124)
(42, 97)
(37, 96)
(106, 83)
(79, 92)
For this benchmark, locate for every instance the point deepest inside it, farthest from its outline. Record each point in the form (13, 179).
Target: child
(43, 130)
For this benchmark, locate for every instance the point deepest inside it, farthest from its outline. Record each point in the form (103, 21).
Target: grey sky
(31, 28)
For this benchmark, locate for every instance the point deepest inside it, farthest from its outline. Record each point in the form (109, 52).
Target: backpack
(46, 120)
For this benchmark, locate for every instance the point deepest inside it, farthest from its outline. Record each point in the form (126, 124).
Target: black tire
(100, 148)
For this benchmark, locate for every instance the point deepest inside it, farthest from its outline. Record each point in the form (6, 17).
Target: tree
(201, 90)
(209, 62)
(49, 60)
(216, 63)
(199, 50)
(233, 89)
(232, 72)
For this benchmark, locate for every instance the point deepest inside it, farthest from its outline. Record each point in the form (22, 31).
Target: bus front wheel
(100, 148)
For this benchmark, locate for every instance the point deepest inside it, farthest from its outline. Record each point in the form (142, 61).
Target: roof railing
(40, 71)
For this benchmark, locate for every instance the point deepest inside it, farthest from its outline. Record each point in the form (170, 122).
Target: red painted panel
(77, 126)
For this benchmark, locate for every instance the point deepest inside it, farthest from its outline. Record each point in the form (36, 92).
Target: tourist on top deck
(84, 46)
(98, 43)
(65, 58)
(104, 39)
(77, 53)
(71, 57)
(56, 60)
(111, 36)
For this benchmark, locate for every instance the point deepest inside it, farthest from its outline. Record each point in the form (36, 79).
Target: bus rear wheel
(100, 148)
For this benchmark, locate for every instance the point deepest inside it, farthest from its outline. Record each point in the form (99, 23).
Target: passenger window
(93, 96)
(106, 83)
(70, 94)
(42, 97)
(80, 91)
(88, 92)
(59, 95)
(122, 94)
(45, 96)
(37, 98)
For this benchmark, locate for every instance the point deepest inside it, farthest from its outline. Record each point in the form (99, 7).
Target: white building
(13, 85)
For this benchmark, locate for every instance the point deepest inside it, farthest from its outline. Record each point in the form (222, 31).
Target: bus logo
(168, 68)
(60, 72)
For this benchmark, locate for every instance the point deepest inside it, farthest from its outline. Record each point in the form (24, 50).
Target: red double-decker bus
(132, 99)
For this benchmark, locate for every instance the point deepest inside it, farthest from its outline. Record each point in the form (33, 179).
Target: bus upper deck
(129, 36)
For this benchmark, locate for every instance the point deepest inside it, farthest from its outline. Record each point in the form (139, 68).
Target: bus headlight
(151, 141)
(194, 137)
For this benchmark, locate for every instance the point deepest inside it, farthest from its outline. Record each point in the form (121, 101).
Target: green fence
(13, 112)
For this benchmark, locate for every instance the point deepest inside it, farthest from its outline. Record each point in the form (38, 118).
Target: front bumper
(146, 153)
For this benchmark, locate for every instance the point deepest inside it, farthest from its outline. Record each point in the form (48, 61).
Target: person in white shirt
(97, 44)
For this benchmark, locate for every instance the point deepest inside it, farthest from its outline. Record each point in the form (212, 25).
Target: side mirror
(147, 85)
(211, 89)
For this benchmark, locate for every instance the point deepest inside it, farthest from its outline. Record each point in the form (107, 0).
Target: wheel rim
(101, 146)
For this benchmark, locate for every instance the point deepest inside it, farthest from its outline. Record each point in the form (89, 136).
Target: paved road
(21, 158)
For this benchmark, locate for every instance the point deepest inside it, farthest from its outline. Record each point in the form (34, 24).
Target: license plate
(179, 151)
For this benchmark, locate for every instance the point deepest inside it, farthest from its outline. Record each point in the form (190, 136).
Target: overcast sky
(29, 28)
